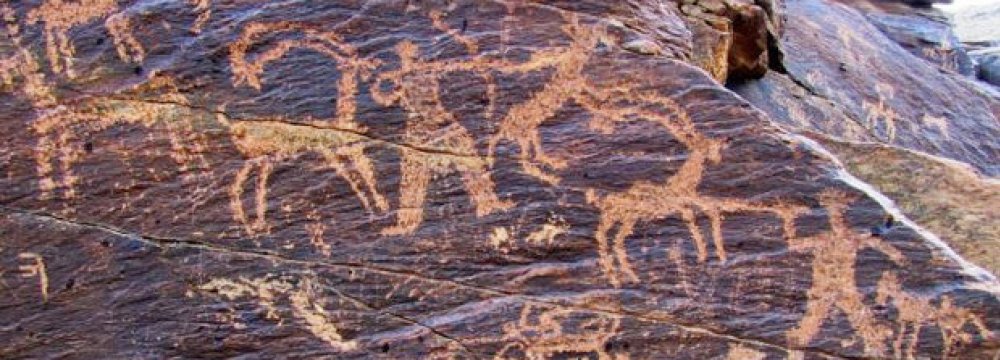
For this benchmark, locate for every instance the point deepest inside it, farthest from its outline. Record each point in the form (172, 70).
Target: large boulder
(440, 180)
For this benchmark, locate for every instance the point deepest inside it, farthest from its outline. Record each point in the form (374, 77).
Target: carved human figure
(833, 285)
(915, 312)
(437, 143)
(340, 141)
(61, 128)
(59, 16)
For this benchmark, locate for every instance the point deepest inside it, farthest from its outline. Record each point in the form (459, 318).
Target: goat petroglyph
(568, 83)
(646, 200)
(339, 141)
(834, 286)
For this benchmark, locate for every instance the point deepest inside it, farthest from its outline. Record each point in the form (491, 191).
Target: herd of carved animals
(430, 125)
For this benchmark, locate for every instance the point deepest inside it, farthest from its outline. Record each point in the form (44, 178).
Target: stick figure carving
(833, 285)
(916, 312)
(341, 143)
(60, 16)
(876, 111)
(60, 129)
(431, 125)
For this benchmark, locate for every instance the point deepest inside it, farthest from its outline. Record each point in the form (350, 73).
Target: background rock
(451, 180)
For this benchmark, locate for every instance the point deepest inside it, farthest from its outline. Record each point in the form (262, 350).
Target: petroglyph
(937, 122)
(316, 228)
(833, 286)
(339, 141)
(740, 352)
(568, 83)
(35, 267)
(876, 111)
(248, 68)
(22, 65)
(438, 22)
(430, 124)
(60, 16)
(647, 200)
(204, 10)
(305, 306)
(549, 231)
(915, 312)
(543, 332)
(60, 130)
(502, 240)
(943, 55)
(859, 45)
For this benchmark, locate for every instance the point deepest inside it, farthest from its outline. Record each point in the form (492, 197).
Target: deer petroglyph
(647, 200)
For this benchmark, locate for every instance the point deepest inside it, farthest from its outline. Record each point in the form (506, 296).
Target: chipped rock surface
(467, 180)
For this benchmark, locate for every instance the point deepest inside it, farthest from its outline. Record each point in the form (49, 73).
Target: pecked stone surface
(897, 97)
(463, 180)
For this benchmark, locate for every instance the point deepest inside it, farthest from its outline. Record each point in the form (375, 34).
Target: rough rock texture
(482, 179)
(734, 40)
(895, 96)
(946, 196)
(988, 65)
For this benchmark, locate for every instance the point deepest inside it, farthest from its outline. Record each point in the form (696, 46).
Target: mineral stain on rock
(492, 179)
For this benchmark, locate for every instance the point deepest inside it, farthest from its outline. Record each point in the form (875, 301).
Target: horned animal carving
(340, 142)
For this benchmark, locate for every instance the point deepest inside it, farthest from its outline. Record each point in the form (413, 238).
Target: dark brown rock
(429, 180)
(734, 40)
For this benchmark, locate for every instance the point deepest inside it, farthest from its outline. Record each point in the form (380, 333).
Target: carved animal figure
(568, 83)
(648, 200)
(60, 130)
(543, 334)
(340, 142)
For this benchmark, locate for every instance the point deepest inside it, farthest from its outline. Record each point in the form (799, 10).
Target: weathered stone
(734, 40)
(899, 98)
(929, 38)
(434, 180)
(988, 65)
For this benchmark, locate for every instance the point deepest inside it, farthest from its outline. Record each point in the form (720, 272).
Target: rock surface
(481, 179)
